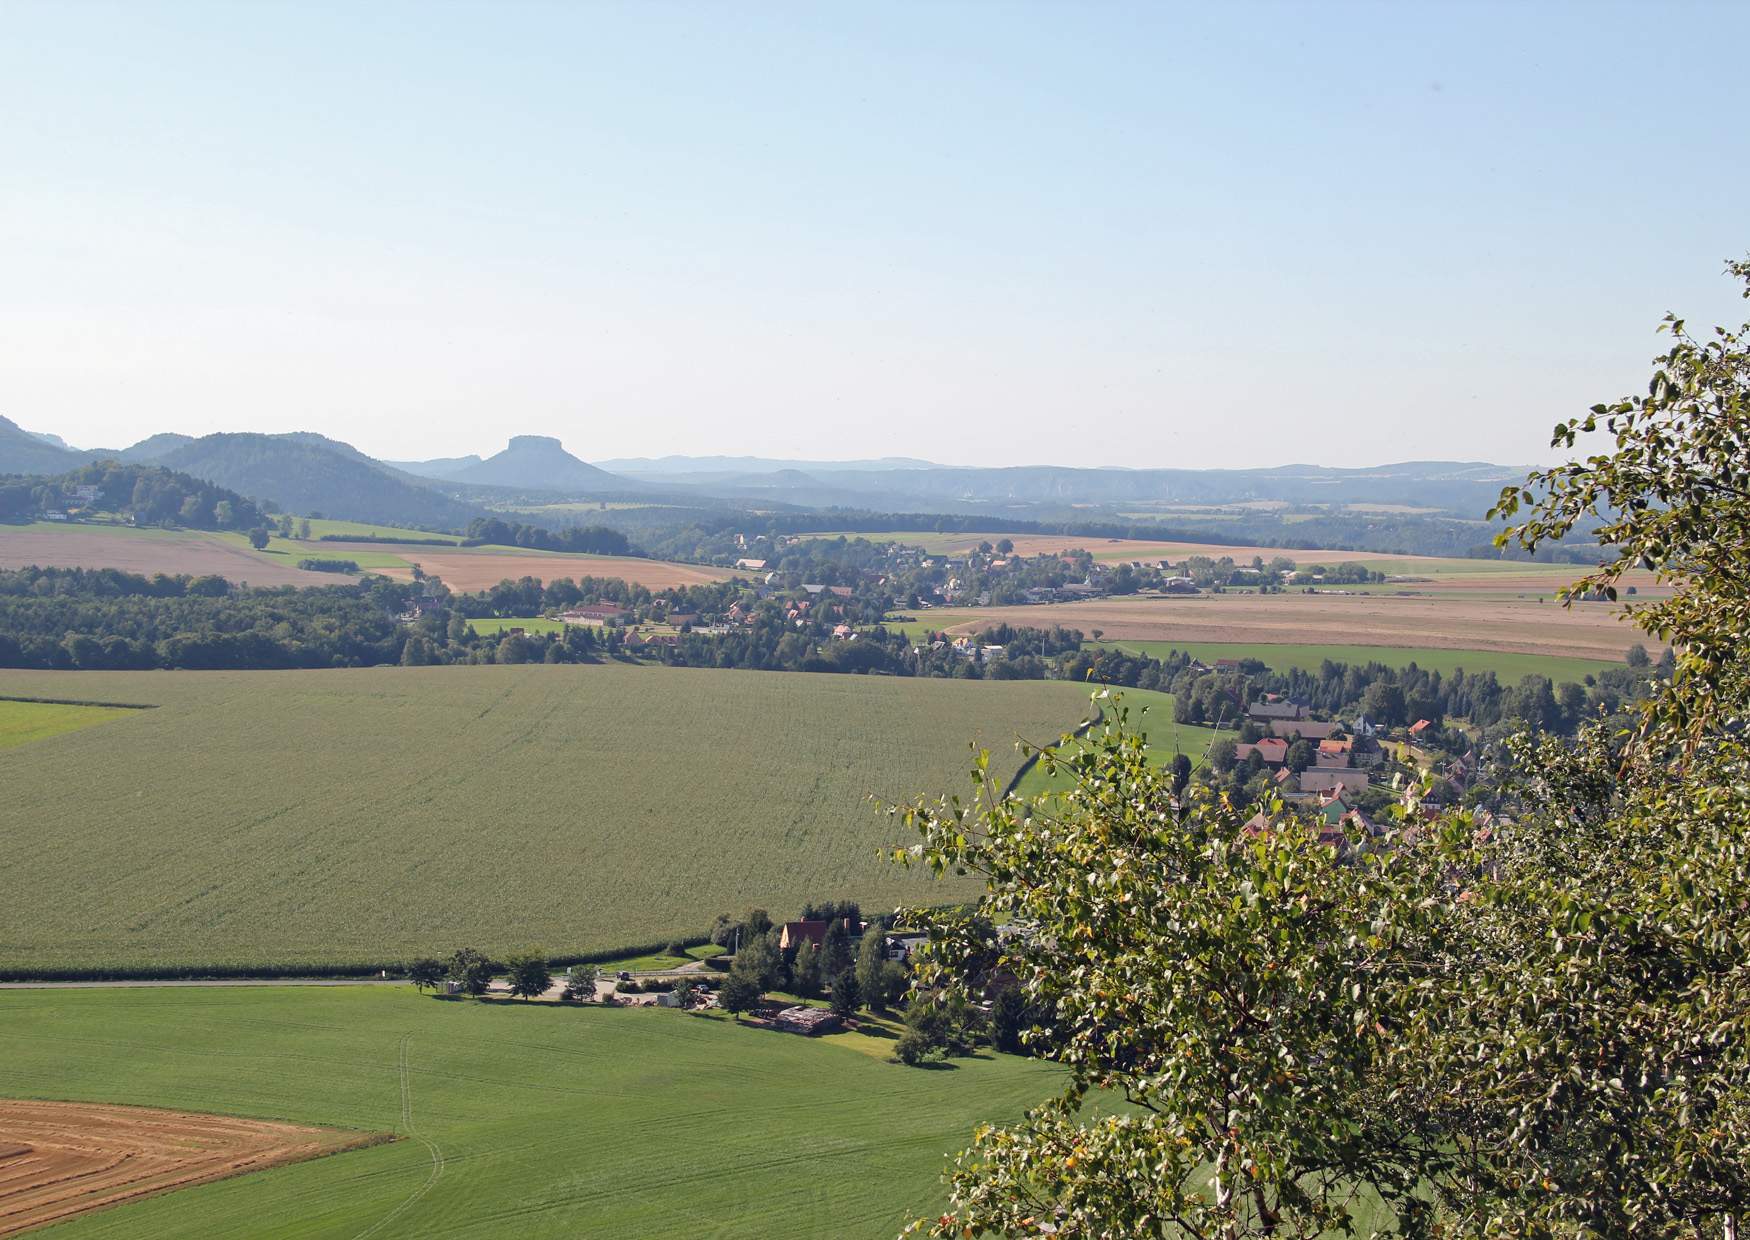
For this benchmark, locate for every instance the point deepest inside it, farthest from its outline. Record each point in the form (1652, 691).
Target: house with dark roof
(1301, 729)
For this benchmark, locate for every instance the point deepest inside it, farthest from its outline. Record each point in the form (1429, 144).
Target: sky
(978, 233)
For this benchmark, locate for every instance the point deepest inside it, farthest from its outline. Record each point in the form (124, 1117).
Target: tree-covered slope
(304, 475)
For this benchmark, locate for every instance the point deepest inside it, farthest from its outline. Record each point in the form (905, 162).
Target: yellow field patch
(24, 722)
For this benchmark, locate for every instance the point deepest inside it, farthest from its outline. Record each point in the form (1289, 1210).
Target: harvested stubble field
(60, 1160)
(359, 816)
(1508, 667)
(150, 551)
(529, 1120)
(1585, 631)
(485, 567)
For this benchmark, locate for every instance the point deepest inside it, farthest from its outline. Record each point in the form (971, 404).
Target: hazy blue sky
(981, 233)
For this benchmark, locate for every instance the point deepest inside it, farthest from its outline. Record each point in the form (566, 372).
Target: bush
(322, 564)
(913, 1048)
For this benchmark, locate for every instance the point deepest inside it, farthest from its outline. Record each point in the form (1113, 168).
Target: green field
(526, 1120)
(365, 815)
(290, 551)
(921, 624)
(320, 526)
(1149, 713)
(24, 722)
(1509, 667)
(657, 962)
(387, 555)
(529, 624)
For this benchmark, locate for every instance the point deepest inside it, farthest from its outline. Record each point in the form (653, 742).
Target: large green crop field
(366, 815)
(525, 1120)
(1510, 667)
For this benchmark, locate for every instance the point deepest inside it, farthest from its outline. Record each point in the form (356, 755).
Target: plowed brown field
(59, 1159)
(151, 551)
(1587, 630)
(462, 570)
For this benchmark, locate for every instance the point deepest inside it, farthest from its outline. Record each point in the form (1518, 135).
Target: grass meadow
(529, 624)
(534, 1120)
(1509, 666)
(21, 723)
(363, 816)
(1150, 713)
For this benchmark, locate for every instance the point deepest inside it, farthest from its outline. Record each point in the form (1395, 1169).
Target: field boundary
(357, 971)
(47, 701)
(1033, 758)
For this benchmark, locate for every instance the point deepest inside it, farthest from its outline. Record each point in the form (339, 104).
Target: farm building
(595, 613)
(793, 934)
(1275, 710)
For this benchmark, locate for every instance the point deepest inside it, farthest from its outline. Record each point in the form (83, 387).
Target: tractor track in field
(437, 1155)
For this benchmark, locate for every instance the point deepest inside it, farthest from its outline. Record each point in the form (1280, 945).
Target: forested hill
(23, 453)
(308, 475)
(150, 494)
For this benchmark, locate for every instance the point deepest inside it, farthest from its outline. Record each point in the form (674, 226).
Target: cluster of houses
(964, 648)
(1342, 765)
(1338, 818)
(79, 500)
(1339, 763)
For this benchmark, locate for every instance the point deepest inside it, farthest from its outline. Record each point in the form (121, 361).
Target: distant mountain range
(531, 462)
(673, 466)
(303, 472)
